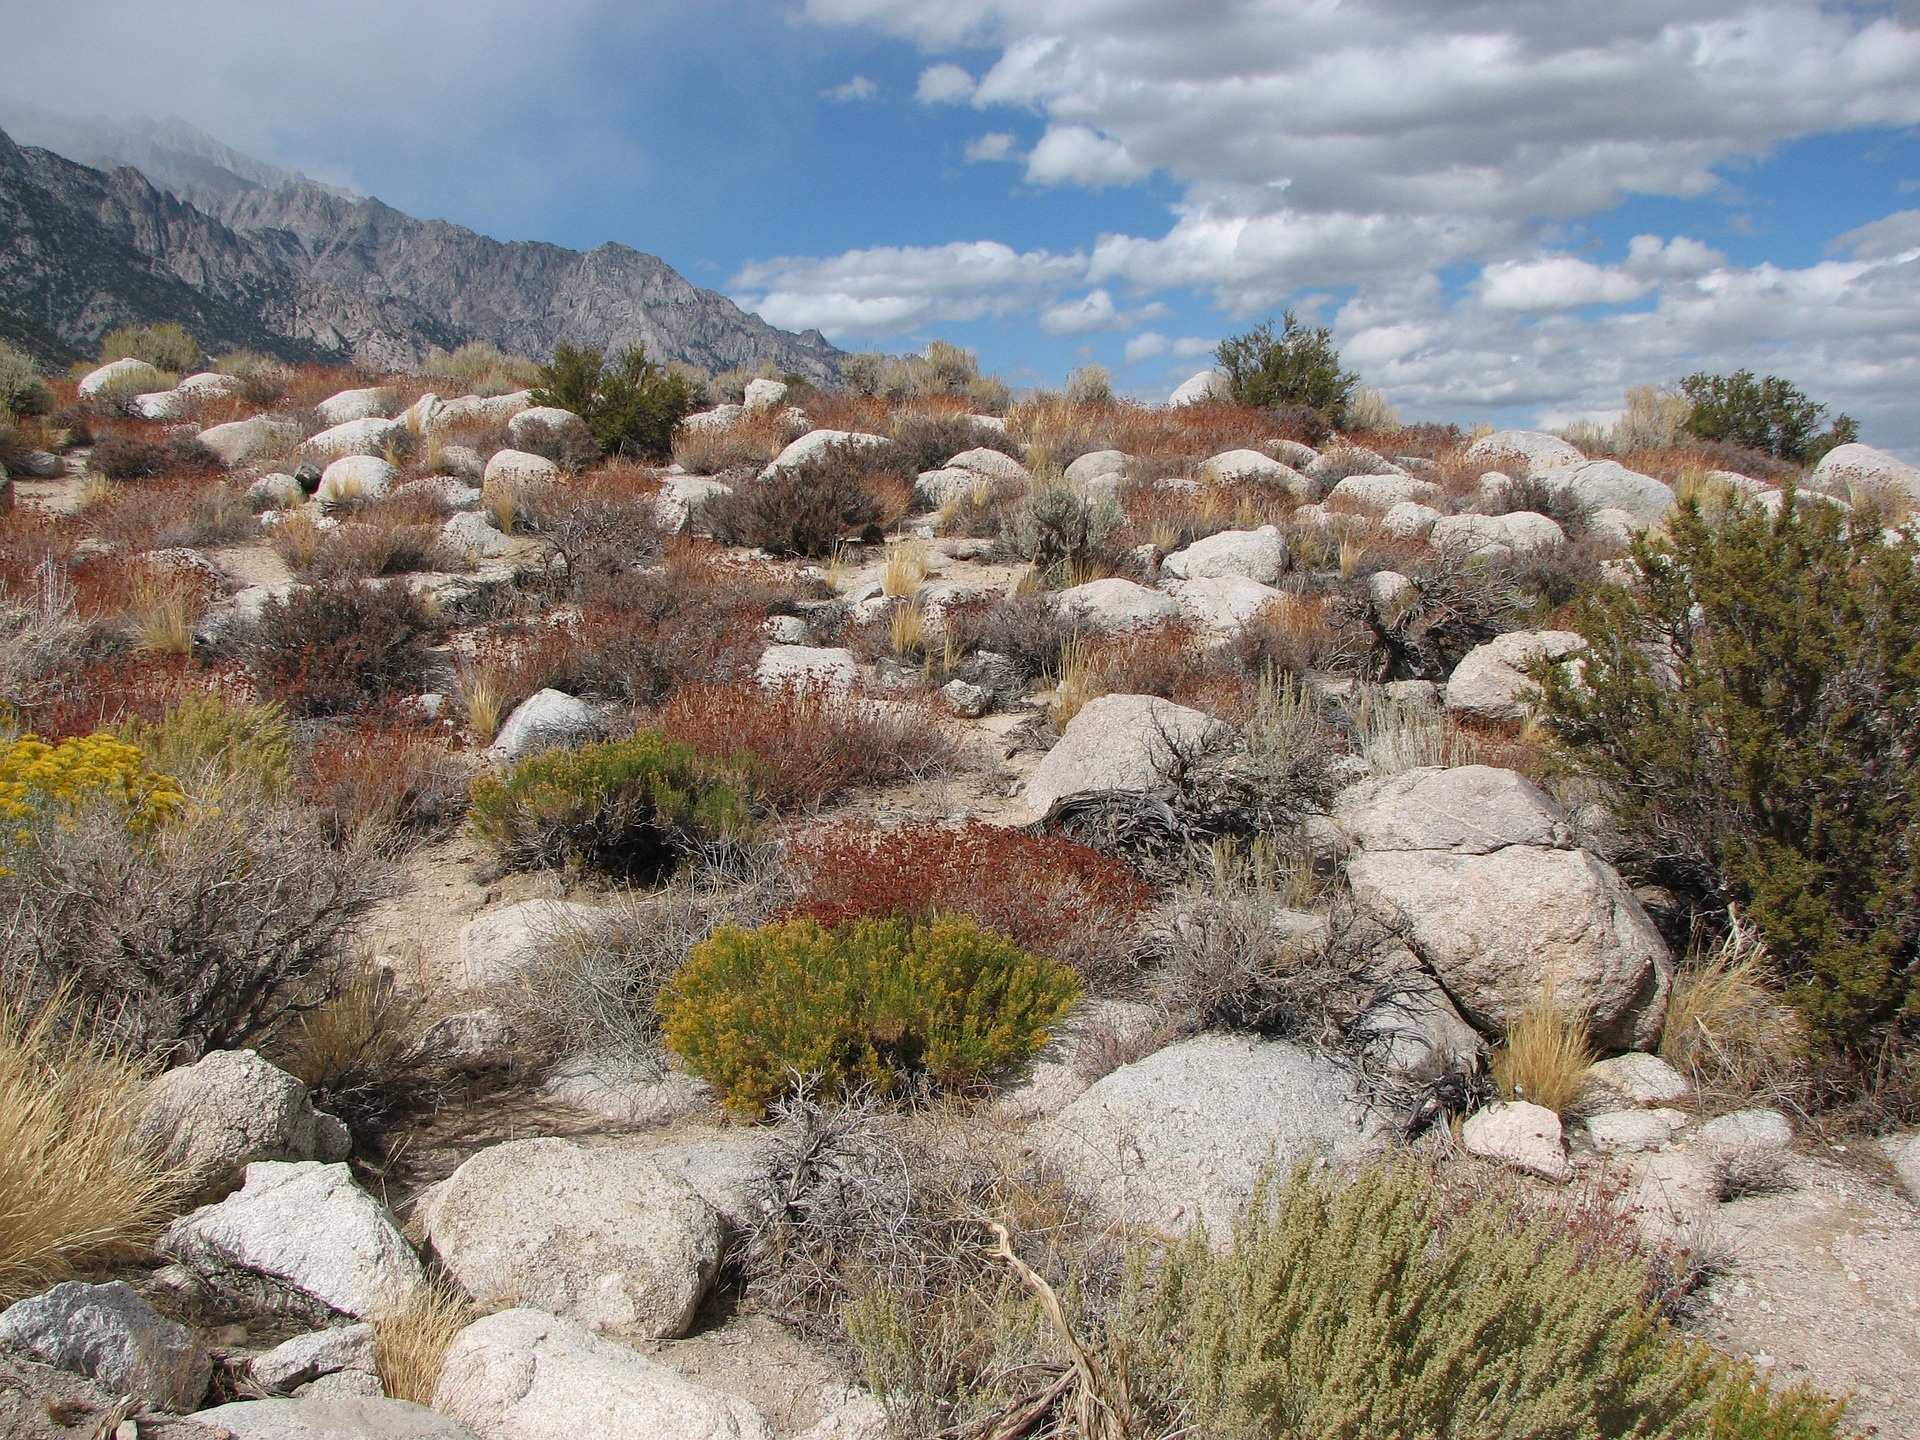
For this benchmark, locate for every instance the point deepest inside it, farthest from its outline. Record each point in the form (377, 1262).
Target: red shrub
(393, 776)
(106, 694)
(1054, 897)
(808, 745)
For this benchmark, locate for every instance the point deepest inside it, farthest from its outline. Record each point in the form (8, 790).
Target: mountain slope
(386, 286)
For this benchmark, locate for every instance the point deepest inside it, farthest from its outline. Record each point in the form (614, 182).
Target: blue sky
(1509, 212)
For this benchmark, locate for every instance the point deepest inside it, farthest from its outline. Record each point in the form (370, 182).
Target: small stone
(1521, 1136)
(971, 701)
(1755, 1129)
(1623, 1132)
(1644, 1079)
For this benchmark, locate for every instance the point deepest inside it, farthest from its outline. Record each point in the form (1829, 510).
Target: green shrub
(1750, 711)
(1770, 415)
(634, 805)
(872, 1003)
(1058, 530)
(941, 369)
(219, 744)
(630, 405)
(1381, 1307)
(486, 368)
(165, 346)
(23, 391)
(1299, 368)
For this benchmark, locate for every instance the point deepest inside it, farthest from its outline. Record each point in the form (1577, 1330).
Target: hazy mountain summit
(251, 254)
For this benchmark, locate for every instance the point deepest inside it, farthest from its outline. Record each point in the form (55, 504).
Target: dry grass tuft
(76, 1190)
(1726, 1030)
(907, 568)
(164, 608)
(1544, 1056)
(410, 1345)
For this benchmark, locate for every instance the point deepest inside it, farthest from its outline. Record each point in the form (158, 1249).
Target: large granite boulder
(1491, 681)
(110, 1335)
(1181, 1137)
(1121, 742)
(210, 1120)
(600, 1235)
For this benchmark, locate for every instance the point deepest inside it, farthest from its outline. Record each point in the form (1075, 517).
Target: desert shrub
(1089, 385)
(1380, 1306)
(1769, 415)
(750, 441)
(929, 438)
(77, 1190)
(937, 1006)
(1028, 629)
(384, 779)
(1167, 659)
(1369, 413)
(630, 405)
(84, 771)
(809, 509)
(941, 369)
(1301, 367)
(599, 525)
(213, 743)
(805, 745)
(1052, 897)
(196, 936)
(1558, 503)
(23, 390)
(341, 646)
(357, 1049)
(483, 368)
(1298, 634)
(1543, 1057)
(635, 806)
(126, 457)
(1746, 710)
(177, 512)
(390, 537)
(1060, 531)
(41, 638)
(165, 346)
(591, 989)
(1456, 603)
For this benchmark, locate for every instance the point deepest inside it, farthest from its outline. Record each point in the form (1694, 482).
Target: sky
(1506, 212)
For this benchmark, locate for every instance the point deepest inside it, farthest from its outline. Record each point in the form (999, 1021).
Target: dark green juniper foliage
(630, 405)
(1753, 714)
(1299, 368)
(1770, 415)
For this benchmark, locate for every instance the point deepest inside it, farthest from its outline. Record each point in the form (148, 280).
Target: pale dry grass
(297, 540)
(164, 608)
(1543, 1057)
(1080, 682)
(907, 631)
(76, 1188)
(907, 568)
(1726, 1030)
(502, 502)
(410, 1345)
(483, 693)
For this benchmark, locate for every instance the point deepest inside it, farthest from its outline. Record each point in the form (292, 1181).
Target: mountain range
(105, 223)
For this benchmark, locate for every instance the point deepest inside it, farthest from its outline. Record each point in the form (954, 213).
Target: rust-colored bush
(809, 509)
(104, 694)
(342, 646)
(388, 777)
(808, 745)
(1053, 897)
(180, 510)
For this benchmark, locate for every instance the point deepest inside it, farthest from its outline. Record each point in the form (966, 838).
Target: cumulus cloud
(858, 88)
(944, 84)
(995, 145)
(1878, 239)
(1558, 282)
(1146, 346)
(1092, 311)
(891, 290)
(1076, 155)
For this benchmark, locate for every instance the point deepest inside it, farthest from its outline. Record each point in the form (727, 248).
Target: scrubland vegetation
(798, 697)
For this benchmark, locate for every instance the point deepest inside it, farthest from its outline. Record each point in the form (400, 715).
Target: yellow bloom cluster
(85, 768)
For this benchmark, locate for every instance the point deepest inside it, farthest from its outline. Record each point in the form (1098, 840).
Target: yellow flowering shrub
(84, 769)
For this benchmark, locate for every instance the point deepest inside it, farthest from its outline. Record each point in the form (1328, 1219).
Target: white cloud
(1877, 239)
(892, 290)
(997, 145)
(1076, 155)
(1092, 311)
(1559, 282)
(858, 88)
(1146, 345)
(944, 84)
(1188, 346)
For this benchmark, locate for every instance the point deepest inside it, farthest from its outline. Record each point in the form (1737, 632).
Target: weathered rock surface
(1223, 605)
(355, 480)
(503, 945)
(1524, 1136)
(308, 1357)
(830, 667)
(1467, 809)
(1199, 389)
(1115, 604)
(1120, 742)
(991, 464)
(303, 1238)
(1847, 466)
(1383, 492)
(815, 443)
(1491, 680)
(212, 1119)
(546, 720)
(1523, 451)
(1182, 1136)
(121, 377)
(375, 403)
(519, 467)
(1099, 468)
(342, 1418)
(1609, 485)
(1638, 1078)
(1501, 928)
(1241, 466)
(355, 437)
(525, 1375)
(110, 1335)
(1251, 554)
(240, 441)
(599, 1235)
